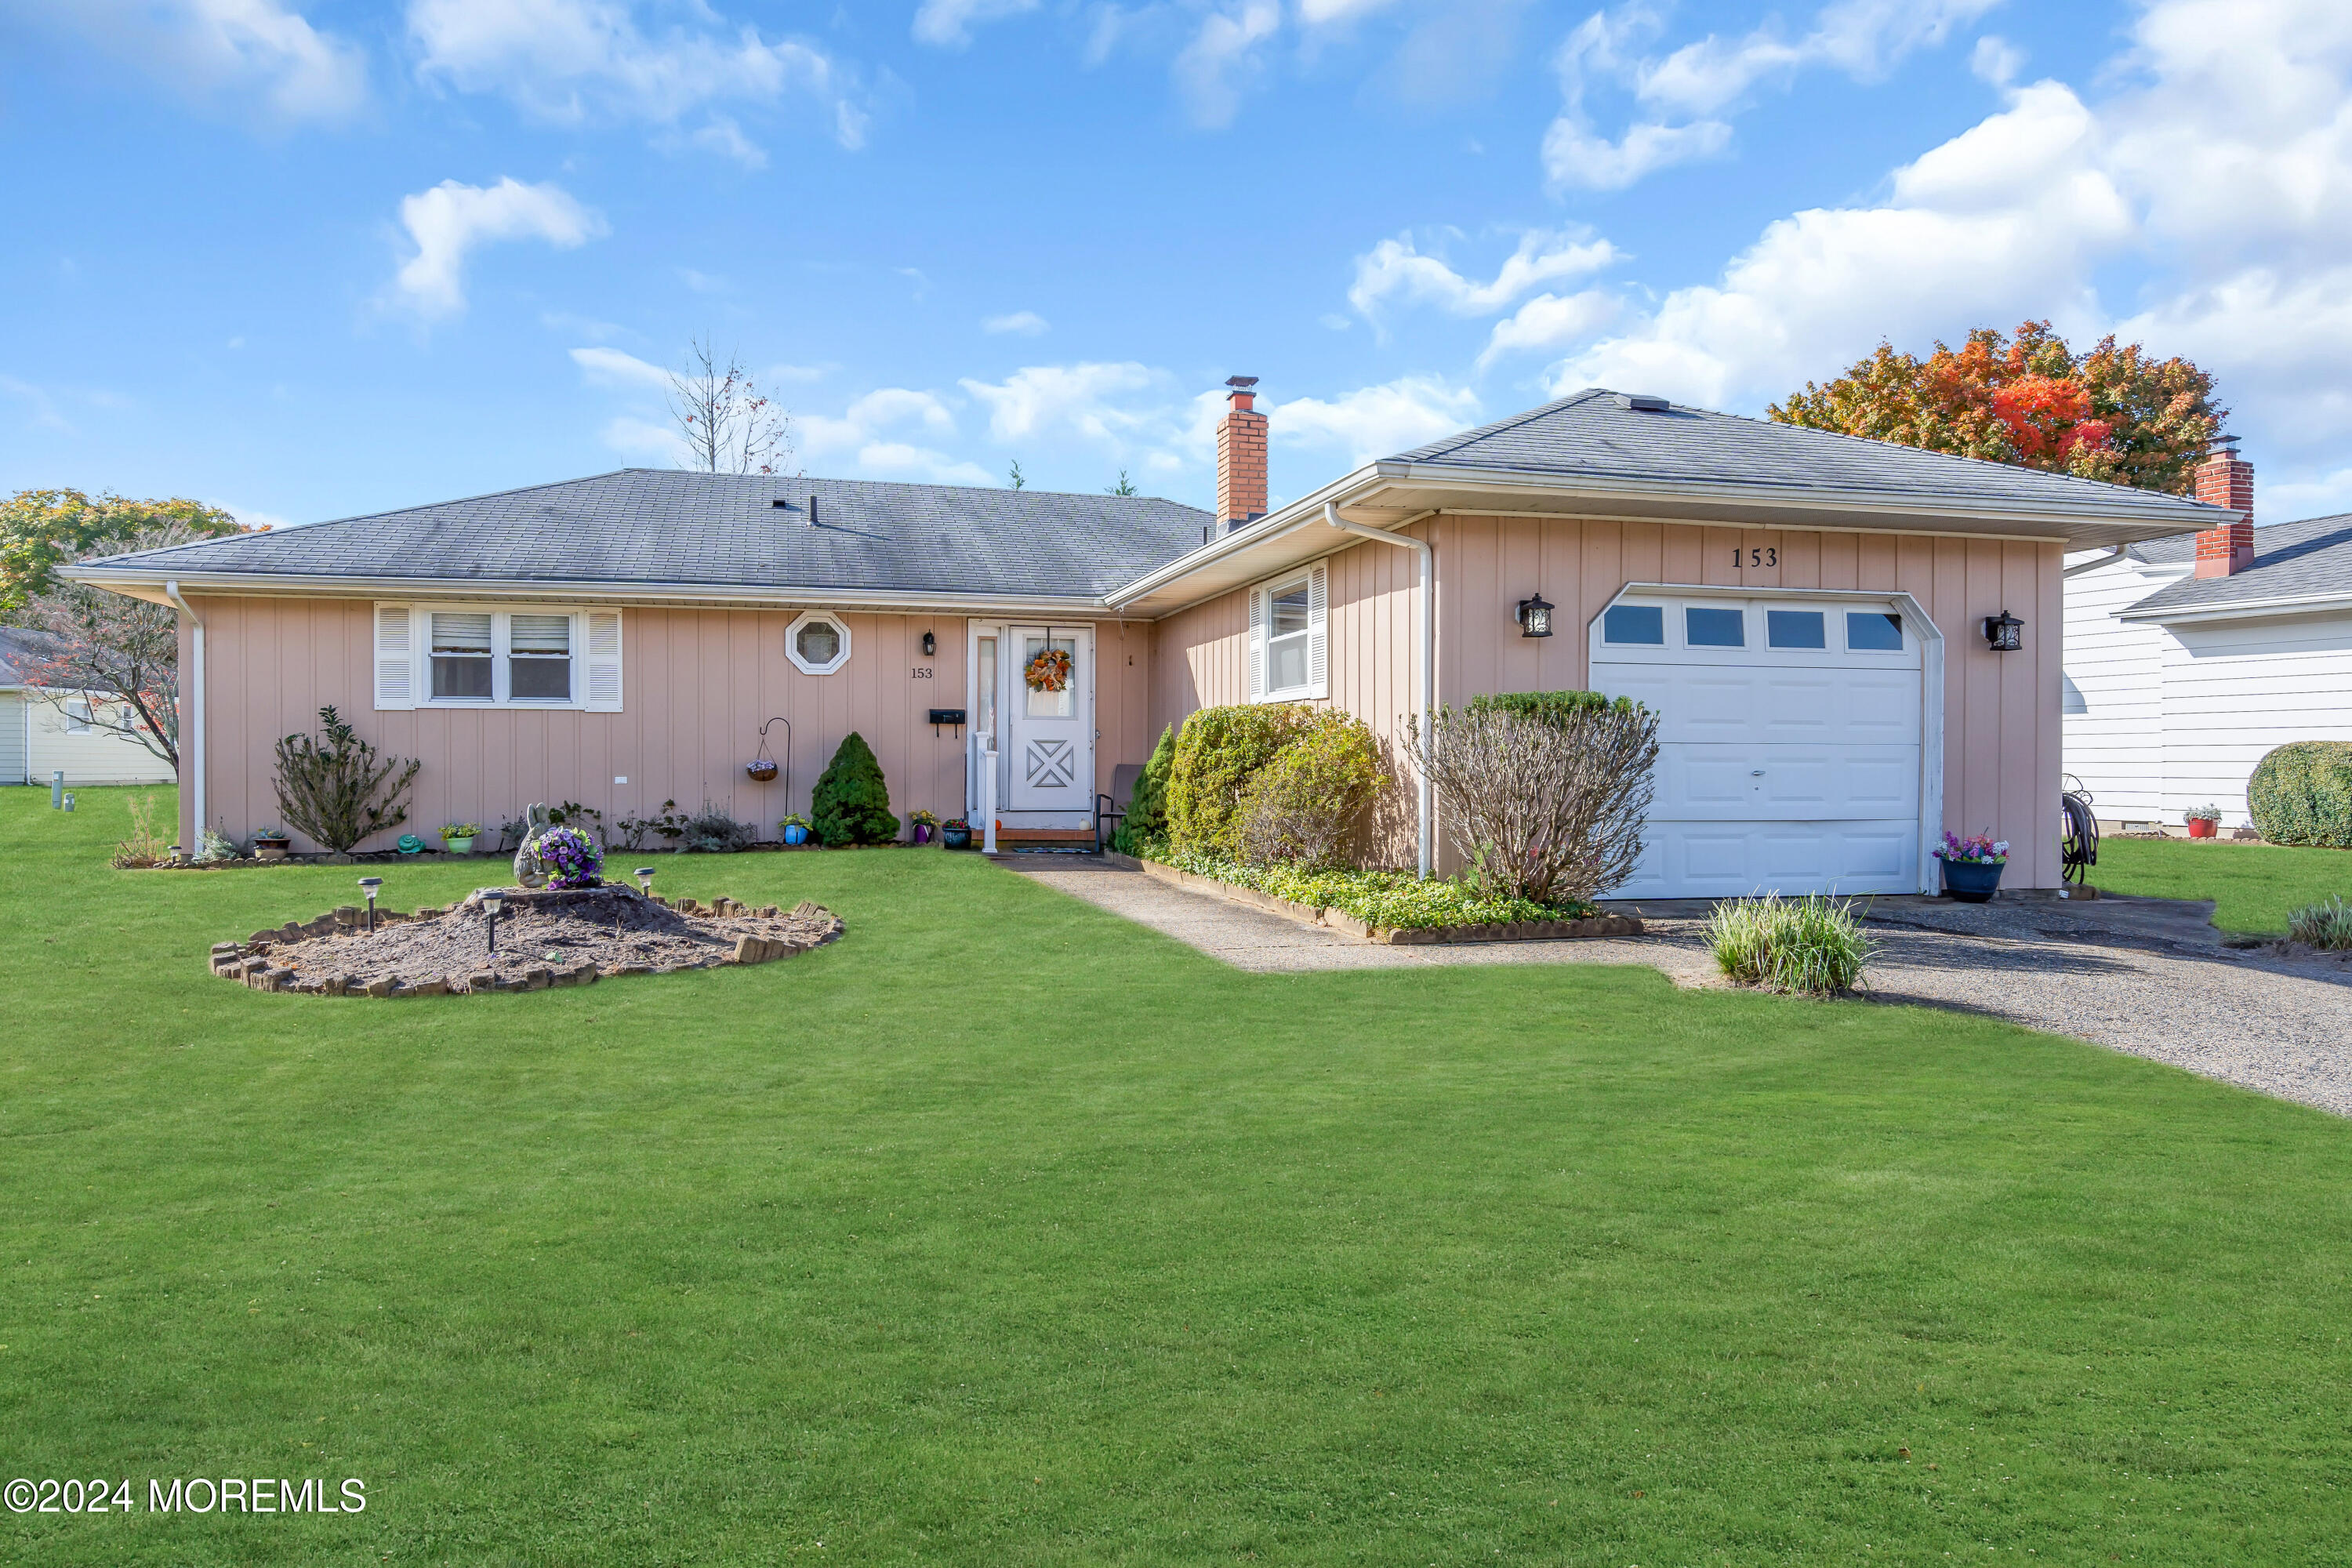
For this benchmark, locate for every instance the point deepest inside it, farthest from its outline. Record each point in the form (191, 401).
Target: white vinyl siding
(16, 738)
(1289, 636)
(2112, 693)
(485, 656)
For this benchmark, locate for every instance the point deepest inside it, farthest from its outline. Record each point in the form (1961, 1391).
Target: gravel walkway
(2148, 976)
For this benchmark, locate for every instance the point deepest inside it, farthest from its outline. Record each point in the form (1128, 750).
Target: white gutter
(2108, 559)
(1425, 668)
(193, 740)
(2244, 609)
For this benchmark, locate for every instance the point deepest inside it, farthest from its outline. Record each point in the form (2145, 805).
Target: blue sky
(314, 258)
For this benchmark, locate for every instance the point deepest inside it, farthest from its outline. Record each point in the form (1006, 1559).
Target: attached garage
(1795, 752)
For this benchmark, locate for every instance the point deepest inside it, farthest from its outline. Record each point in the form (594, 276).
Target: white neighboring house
(37, 737)
(2187, 658)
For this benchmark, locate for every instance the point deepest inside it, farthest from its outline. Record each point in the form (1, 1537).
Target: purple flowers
(570, 857)
(1982, 849)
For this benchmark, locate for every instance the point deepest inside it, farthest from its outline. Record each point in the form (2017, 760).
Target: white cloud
(633, 436)
(1375, 421)
(1028, 323)
(891, 433)
(1096, 401)
(611, 367)
(1395, 270)
(262, 51)
(571, 60)
(1685, 94)
(1327, 12)
(1574, 156)
(1996, 60)
(1222, 59)
(948, 23)
(1549, 323)
(448, 222)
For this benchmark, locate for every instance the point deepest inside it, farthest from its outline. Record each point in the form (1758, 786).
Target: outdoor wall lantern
(930, 644)
(370, 886)
(2004, 633)
(644, 876)
(1534, 618)
(493, 900)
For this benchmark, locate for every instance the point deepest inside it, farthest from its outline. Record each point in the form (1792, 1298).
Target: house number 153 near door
(919, 672)
(1769, 555)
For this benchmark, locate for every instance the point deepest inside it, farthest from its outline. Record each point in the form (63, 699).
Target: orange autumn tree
(2110, 413)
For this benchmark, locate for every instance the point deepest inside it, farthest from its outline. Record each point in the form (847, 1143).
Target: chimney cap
(2223, 443)
(1241, 383)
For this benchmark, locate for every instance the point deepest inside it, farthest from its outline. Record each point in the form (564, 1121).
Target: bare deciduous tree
(1549, 810)
(117, 655)
(729, 427)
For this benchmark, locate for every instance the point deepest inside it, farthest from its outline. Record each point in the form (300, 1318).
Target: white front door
(1790, 742)
(1045, 736)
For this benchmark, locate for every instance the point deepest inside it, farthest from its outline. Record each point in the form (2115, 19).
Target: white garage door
(1789, 743)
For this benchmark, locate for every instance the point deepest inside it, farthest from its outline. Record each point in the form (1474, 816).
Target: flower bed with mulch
(1391, 907)
(546, 937)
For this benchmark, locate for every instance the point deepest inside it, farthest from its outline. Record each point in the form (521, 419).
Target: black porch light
(370, 886)
(1534, 618)
(2004, 633)
(930, 644)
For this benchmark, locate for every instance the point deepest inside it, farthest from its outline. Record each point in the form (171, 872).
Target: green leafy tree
(852, 803)
(43, 529)
(2110, 413)
(1126, 487)
(1014, 479)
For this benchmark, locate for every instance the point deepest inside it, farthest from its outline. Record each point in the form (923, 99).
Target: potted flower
(796, 828)
(570, 857)
(926, 824)
(458, 837)
(1972, 866)
(2204, 821)
(270, 844)
(955, 832)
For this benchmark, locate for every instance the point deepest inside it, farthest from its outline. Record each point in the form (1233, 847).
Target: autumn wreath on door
(1050, 671)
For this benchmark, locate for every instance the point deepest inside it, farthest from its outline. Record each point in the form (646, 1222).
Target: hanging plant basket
(1049, 671)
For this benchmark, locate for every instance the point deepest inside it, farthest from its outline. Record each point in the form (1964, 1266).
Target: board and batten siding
(2003, 739)
(696, 686)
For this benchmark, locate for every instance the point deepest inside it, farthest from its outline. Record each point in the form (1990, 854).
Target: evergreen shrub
(1146, 821)
(1217, 753)
(852, 803)
(1305, 806)
(2302, 793)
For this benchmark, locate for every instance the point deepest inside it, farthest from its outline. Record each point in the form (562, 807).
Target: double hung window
(483, 657)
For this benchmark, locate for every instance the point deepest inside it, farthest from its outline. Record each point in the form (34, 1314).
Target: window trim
(834, 618)
(403, 656)
(1317, 576)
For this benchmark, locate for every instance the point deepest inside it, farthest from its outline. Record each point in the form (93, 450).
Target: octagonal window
(818, 642)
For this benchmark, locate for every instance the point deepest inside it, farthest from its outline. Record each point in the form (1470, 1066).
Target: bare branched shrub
(336, 789)
(1306, 805)
(146, 846)
(1548, 809)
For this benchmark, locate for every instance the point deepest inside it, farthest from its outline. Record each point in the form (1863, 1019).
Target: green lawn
(1004, 1231)
(2254, 886)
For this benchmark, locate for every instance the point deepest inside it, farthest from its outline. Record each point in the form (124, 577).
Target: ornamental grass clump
(2326, 924)
(1813, 946)
(1546, 802)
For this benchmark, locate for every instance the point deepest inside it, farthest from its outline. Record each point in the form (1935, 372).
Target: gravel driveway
(2144, 976)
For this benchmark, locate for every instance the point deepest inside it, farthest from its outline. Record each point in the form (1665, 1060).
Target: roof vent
(812, 511)
(781, 504)
(1644, 402)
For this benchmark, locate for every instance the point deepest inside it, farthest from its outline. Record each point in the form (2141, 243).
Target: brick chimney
(2226, 479)
(1241, 457)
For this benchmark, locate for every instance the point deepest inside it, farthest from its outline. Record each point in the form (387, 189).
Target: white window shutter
(1256, 644)
(1319, 641)
(395, 658)
(602, 686)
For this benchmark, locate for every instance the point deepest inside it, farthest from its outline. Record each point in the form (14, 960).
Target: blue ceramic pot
(796, 834)
(956, 837)
(1971, 881)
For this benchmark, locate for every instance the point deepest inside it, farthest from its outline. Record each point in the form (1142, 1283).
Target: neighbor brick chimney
(1241, 457)
(2226, 479)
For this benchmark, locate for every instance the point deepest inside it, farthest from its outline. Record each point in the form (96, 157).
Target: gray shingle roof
(2308, 559)
(663, 525)
(1593, 432)
(13, 647)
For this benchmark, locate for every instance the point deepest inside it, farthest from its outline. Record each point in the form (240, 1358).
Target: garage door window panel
(1709, 625)
(1634, 625)
(1874, 631)
(1796, 629)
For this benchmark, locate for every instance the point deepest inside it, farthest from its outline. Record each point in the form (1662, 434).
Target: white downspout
(194, 739)
(1425, 666)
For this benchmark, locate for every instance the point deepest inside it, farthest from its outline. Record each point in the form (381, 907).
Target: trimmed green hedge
(2302, 793)
(1549, 707)
(1394, 899)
